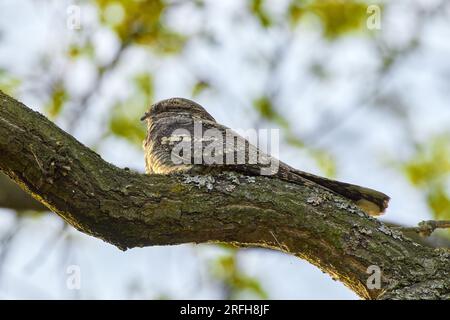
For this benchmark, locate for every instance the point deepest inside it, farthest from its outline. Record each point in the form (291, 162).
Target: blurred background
(360, 91)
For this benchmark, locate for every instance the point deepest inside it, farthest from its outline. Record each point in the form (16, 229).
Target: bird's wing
(238, 154)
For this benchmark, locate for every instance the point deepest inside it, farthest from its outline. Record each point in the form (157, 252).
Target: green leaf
(124, 119)
(257, 8)
(267, 110)
(325, 162)
(140, 22)
(296, 11)
(226, 269)
(75, 51)
(126, 125)
(199, 87)
(145, 86)
(439, 202)
(8, 83)
(429, 170)
(431, 163)
(57, 100)
(338, 17)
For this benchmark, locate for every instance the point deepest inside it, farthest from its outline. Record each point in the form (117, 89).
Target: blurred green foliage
(235, 282)
(8, 83)
(267, 110)
(429, 170)
(199, 87)
(257, 8)
(125, 115)
(140, 22)
(325, 162)
(337, 17)
(75, 51)
(58, 97)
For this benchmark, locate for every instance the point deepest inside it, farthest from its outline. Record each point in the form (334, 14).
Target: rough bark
(129, 210)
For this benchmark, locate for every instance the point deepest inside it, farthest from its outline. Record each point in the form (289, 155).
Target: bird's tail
(370, 201)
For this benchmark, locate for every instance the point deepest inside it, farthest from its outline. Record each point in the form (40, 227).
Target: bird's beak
(145, 116)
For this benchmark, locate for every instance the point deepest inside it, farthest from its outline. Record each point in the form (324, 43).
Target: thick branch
(133, 210)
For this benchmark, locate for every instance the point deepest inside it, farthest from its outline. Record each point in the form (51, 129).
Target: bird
(172, 145)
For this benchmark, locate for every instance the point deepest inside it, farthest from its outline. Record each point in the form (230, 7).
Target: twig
(322, 132)
(37, 160)
(6, 242)
(84, 101)
(426, 228)
(45, 250)
(278, 242)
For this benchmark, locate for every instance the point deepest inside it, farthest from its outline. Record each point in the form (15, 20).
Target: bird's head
(177, 106)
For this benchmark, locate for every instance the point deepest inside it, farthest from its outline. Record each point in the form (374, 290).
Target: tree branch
(426, 228)
(129, 210)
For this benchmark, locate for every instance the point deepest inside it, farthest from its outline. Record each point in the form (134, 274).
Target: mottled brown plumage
(166, 116)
